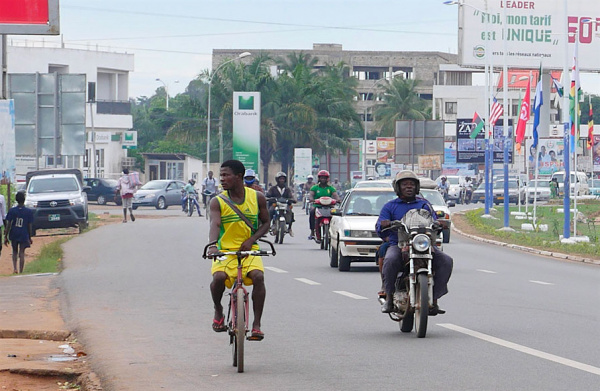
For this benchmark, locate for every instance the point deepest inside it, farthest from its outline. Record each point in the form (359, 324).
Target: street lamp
(210, 78)
(365, 122)
(166, 90)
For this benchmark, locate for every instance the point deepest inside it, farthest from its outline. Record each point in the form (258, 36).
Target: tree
(401, 102)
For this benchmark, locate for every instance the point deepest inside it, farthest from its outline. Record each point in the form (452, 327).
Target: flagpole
(505, 120)
(567, 129)
(576, 131)
(591, 136)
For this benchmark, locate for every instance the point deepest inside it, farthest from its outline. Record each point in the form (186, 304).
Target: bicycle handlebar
(240, 253)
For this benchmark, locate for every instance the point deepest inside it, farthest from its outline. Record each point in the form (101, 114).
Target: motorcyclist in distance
(321, 189)
(309, 183)
(189, 189)
(407, 186)
(251, 181)
(281, 190)
(443, 187)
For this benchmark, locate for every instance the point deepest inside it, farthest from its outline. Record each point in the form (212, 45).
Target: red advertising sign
(24, 11)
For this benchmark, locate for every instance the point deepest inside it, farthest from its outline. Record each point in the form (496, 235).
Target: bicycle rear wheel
(240, 329)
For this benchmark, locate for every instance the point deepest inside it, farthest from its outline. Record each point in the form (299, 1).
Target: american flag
(496, 111)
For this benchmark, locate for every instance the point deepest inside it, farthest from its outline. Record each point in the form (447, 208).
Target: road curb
(551, 254)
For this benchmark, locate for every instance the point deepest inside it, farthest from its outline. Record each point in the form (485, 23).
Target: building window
(451, 108)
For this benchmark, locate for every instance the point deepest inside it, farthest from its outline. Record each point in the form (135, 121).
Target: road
(137, 294)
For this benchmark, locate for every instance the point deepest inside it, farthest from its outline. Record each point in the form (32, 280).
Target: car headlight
(30, 204)
(151, 195)
(421, 243)
(77, 201)
(361, 234)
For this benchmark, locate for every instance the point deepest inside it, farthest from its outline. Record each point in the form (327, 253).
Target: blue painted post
(567, 184)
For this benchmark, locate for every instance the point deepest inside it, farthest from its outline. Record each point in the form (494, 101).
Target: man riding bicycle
(280, 190)
(209, 187)
(187, 190)
(233, 234)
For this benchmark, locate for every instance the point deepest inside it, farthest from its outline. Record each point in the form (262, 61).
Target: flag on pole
(538, 101)
(523, 116)
(478, 125)
(559, 87)
(590, 141)
(495, 112)
(574, 99)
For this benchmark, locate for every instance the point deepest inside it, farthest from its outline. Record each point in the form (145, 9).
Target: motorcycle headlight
(421, 243)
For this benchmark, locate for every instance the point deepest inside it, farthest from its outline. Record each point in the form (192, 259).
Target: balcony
(113, 107)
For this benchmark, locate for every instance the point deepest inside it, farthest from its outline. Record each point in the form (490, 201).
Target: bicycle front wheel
(240, 329)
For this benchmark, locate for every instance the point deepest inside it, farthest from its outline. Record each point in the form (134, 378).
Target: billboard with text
(29, 17)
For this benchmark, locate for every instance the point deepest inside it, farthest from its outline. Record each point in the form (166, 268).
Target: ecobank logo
(246, 103)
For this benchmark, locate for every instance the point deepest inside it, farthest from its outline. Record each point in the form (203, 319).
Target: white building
(108, 111)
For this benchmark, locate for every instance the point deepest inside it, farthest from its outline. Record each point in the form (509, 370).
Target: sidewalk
(31, 331)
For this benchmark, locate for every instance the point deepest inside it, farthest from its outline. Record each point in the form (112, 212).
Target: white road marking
(486, 271)
(274, 269)
(524, 349)
(307, 281)
(541, 282)
(350, 295)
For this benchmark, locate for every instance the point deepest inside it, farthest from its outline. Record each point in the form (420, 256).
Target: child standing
(19, 226)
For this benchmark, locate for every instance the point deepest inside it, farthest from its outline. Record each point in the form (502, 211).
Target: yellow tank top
(234, 231)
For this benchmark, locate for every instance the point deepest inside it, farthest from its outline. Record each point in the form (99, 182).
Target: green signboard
(246, 128)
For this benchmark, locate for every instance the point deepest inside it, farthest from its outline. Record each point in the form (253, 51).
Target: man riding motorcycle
(444, 187)
(321, 189)
(308, 185)
(189, 189)
(251, 181)
(407, 186)
(280, 190)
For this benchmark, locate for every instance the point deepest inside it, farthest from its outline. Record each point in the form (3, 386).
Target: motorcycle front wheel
(190, 208)
(280, 232)
(421, 306)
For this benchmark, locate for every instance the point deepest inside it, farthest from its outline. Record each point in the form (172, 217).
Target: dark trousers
(441, 265)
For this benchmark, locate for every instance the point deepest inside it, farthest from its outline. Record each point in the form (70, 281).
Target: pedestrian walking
(19, 229)
(2, 217)
(127, 186)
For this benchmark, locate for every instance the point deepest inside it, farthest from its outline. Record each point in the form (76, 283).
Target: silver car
(160, 193)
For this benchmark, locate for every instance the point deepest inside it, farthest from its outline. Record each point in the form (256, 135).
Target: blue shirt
(20, 217)
(395, 210)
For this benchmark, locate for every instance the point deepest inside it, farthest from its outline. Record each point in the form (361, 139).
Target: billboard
(385, 149)
(550, 156)
(596, 153)
(535, 33)
(246, 128)
(7, 141)
(302, 164)
(29, 17)
(472, 150)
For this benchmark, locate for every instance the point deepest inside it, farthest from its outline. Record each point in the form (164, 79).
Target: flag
(478, 125)
(559, 87)
(574, 99)
(538, 101)
(496, 111)
(523, 116)
(590, 141)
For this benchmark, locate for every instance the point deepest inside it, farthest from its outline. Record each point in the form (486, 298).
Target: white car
(441, 209)
(542, 191)
(373, 183)
(352, 229)
(454, 182)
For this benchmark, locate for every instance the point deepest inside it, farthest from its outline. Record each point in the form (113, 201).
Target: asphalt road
(137, 295)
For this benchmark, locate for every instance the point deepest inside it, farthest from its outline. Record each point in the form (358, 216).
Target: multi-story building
(107, 107)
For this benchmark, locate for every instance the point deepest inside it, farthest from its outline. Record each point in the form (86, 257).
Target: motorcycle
(322, 220)
(189, 203)
(281, 217)
(306, 203)
(413, 296)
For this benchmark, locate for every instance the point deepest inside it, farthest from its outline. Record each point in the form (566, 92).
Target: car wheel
(134, 207)
(446, 235)
(101, 200)
(161, 203)
(333, 255)
(343, 262)
(118, 202)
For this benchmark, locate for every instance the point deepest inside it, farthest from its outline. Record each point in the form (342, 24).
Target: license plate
(53, 217)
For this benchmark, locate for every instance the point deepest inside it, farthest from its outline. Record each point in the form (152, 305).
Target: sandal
(381, 294)
(256, 335)
(219, 326)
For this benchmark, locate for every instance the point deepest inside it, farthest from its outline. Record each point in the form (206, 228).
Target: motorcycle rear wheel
(407, 323)
(421, 306)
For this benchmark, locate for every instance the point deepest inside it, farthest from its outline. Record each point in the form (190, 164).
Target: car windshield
(540, 183)
(367, 203)
(153, 185)
(500, 185)
(433, 196)
(372, 184)
(52, 185)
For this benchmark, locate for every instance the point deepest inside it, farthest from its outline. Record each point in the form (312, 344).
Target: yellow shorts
(229, 266)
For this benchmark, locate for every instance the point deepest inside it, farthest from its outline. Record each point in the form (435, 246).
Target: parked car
(373, 184)
(352, 229)
(58, 199)
(441, 209)
(579, 182)
(478, 194)
(160, 193)
(541, 189)
(594, 187)
(102, 190)
(514, 192)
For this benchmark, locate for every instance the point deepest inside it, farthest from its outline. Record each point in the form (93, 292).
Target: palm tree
(401, 102)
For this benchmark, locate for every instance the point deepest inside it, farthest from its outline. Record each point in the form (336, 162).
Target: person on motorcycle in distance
(308, 185)
(321, 189)
(443, 187)
(189, 189)
(407, 186)
(251, 181)
(280, 190)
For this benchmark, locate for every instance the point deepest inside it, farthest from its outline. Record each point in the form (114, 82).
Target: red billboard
(24, 11)
(23, 17)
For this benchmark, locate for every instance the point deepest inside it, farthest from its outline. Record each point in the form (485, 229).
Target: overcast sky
(173, 39)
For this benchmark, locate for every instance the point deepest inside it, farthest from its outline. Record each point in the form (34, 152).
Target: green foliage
(49, 259)
(543, 240)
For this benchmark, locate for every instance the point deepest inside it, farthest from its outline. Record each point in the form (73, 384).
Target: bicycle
(208, 196)
(238, 315)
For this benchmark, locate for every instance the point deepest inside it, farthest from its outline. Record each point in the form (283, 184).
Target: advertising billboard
(302, 164)
(472, 150)
(550, 156)
(385, 149)
(535, 33)
(246, 128)
(596, 153)
(25, 17)
(7, 141)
